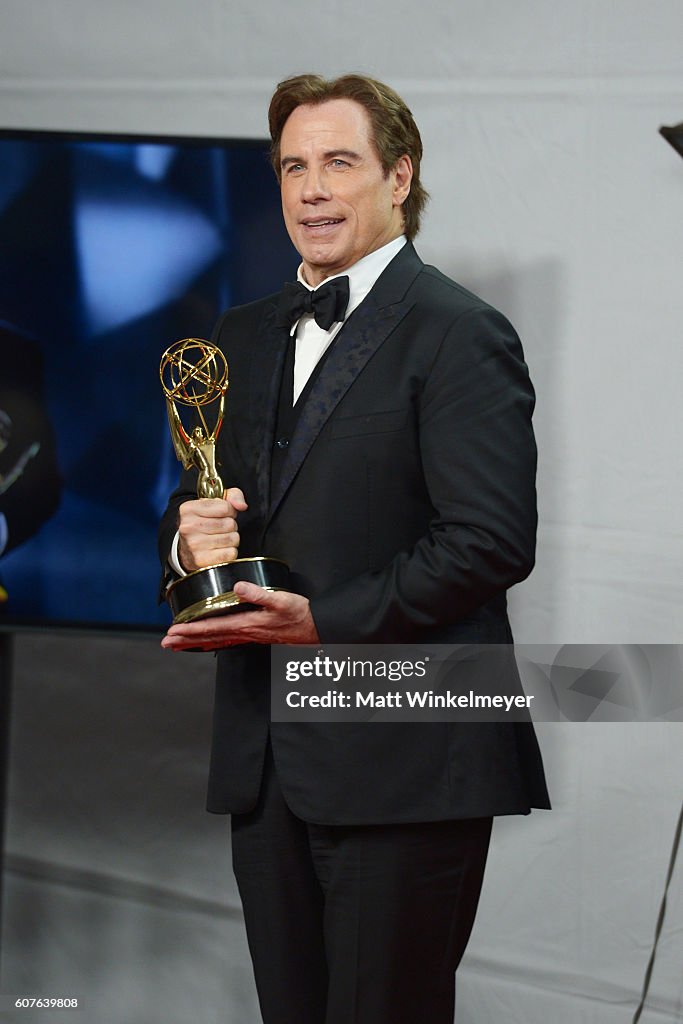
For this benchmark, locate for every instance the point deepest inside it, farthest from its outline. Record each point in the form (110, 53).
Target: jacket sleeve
(168, 528)
(479, 461)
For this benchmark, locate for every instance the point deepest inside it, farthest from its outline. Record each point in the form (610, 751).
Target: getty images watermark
(477, 683)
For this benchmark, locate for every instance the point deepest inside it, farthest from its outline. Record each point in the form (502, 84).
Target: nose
(314, 185)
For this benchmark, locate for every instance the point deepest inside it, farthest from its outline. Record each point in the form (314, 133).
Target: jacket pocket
(375, 423)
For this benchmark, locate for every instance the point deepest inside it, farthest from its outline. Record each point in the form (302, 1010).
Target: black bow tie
(327, 303)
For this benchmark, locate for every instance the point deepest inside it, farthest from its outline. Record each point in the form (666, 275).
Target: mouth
(321, 223)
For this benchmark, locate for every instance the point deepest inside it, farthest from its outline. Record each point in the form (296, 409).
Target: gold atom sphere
(193, 372)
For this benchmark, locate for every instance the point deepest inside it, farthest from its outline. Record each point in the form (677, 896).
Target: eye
(338, 162)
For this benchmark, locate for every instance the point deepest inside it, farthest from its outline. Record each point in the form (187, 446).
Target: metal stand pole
(6, 645)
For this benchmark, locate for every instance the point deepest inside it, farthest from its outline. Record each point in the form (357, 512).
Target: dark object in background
(30, 481)
(111, 248)
(674, 136)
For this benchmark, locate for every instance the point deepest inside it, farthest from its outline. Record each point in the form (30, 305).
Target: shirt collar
(362, 275)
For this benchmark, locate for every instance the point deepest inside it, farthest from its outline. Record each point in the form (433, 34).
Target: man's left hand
(283, 618)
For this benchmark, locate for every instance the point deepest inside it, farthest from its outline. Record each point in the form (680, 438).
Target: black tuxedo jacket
(405, 507)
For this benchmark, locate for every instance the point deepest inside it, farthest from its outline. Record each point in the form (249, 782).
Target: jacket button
(282, 442)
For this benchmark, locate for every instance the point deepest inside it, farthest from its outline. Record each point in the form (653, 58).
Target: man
(383, 449)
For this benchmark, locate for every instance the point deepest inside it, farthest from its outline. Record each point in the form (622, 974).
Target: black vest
(288, 414)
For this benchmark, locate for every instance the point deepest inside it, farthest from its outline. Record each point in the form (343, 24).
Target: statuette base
(208, 592)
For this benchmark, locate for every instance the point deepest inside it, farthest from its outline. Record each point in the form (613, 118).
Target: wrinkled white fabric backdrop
(552, 196)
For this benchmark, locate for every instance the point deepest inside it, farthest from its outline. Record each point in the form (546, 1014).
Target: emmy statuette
(194, 373)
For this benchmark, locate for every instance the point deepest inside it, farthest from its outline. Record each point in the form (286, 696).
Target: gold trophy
(194, 373)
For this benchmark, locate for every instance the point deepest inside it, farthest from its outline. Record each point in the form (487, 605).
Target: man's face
(337, 202)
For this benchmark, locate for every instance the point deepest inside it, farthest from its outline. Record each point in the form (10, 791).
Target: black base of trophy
(207, 592)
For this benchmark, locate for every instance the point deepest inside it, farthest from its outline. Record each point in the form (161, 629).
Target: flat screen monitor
(111, 248)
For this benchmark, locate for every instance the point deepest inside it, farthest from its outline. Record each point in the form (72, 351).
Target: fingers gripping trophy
(194, 374)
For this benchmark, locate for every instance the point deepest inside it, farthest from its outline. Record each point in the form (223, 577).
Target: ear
(403, 175)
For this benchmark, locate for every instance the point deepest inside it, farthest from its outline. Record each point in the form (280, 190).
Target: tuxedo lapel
(266, 374)
(367, 328)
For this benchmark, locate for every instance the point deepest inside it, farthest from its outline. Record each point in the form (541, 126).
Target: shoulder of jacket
(438, 288)
(442, 302)
(248, 313)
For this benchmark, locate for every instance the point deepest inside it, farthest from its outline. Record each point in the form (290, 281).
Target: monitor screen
(111, 248)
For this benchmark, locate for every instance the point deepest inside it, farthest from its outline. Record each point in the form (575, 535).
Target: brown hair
(394, 132)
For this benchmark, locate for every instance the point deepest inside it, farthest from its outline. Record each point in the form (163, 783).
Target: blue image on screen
(111, 249)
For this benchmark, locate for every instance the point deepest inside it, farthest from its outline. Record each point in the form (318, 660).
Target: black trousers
(355, 924)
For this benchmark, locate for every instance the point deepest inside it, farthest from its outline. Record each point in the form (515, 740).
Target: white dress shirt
(312, 341)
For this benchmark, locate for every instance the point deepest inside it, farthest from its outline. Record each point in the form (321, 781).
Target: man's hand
(283, 618)
(207, 528)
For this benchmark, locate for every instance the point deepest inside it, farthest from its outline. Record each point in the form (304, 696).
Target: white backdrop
(553, 197)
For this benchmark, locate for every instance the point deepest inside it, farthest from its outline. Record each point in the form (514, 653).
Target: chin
(323, 261)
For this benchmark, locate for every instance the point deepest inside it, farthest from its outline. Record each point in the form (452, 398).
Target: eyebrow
(329, 155)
